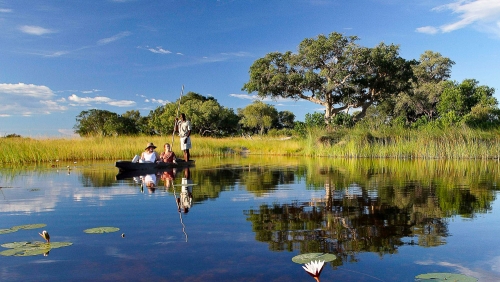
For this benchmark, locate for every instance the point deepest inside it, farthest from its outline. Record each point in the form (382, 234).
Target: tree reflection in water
(376, 210)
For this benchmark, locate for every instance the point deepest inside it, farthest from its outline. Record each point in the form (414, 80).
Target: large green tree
(382, 76)
(206, 115)
(468, 102)
(258, 116)
(286, 119)
(137, 123)
(96, 122)
(332, 71)
(431, 75)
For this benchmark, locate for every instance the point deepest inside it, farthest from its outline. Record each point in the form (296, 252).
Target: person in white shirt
(149, 155)
(183, 126)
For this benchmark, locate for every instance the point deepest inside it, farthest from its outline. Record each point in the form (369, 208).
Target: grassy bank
(354, 143)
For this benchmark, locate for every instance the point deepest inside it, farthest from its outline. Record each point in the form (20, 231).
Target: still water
(244, 219)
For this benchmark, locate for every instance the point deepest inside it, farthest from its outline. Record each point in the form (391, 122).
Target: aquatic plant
(24, 249)
(100, 230)
(308, 257)
(19, 227)
(441, 277)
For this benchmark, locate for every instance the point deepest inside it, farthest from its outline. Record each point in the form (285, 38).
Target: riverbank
(354, 143)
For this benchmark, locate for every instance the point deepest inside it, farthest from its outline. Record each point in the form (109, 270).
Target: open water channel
(244, 219)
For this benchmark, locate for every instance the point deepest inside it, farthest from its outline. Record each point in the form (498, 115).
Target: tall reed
(396, 143)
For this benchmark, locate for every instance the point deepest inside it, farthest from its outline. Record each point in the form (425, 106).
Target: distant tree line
(355, 84)
(375, 84)
(207, 117)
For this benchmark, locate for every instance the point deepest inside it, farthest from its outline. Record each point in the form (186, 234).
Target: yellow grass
(355, 143)
(26, 150)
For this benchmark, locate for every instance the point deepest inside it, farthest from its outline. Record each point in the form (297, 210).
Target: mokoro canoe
(130, 166)
(136, 173)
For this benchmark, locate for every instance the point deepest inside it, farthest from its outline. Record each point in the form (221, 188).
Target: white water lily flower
(314, 268)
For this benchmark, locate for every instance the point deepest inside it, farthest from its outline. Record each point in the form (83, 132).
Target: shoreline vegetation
(451, 143)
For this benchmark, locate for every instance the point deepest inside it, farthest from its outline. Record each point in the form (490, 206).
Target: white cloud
(482, 14)
(255, 97)
(159, 101)
(29, 90)
(88, 101)
(101, 42)
(35, 30)
(245, 96)
(113, 38)
(30, 100)
(53, 105)
(122, 103)
(57, 54)
(27, 100)
(5, 10)
(90, 91)
(159, 50)
(428, 30)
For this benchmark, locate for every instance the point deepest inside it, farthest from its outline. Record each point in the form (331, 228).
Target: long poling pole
(180, 214)
(177, 115)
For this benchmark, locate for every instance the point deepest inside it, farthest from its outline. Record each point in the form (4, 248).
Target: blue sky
(58, 58)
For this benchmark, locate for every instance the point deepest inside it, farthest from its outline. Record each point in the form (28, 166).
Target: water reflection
(185, 199)
(349, 208)
(375, 208)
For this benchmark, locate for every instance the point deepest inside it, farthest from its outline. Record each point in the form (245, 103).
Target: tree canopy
(332, 71)
(258, 116)
(352, 83)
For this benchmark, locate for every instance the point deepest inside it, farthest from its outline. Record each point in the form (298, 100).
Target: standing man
(184, 128)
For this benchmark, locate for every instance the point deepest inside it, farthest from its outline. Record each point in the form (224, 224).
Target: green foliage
(100, 230)
(468, 103)
(315, 120)
(312, 121)
(308, 257)
(258, 116)
(286, 119)
(441, 277)
(342, 119)
(13, 135)
(105, 123)
(206, 115)
(421, 122)
(382, 76)
(332, 71)
(19, 227)
(273, 132)
(25, 249)
(135, 123)
(430, 78)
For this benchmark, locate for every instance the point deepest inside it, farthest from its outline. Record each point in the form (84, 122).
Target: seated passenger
(150, 155)
(168, 156)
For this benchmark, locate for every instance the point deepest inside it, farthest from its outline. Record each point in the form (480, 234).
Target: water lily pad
(100, 230)
(439, 276)
(6, 231)
(306, 258)
(24, 249)
(19, 227)
(16, 245)
(29, 226)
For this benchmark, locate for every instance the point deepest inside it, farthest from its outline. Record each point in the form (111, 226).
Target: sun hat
(150, 145)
